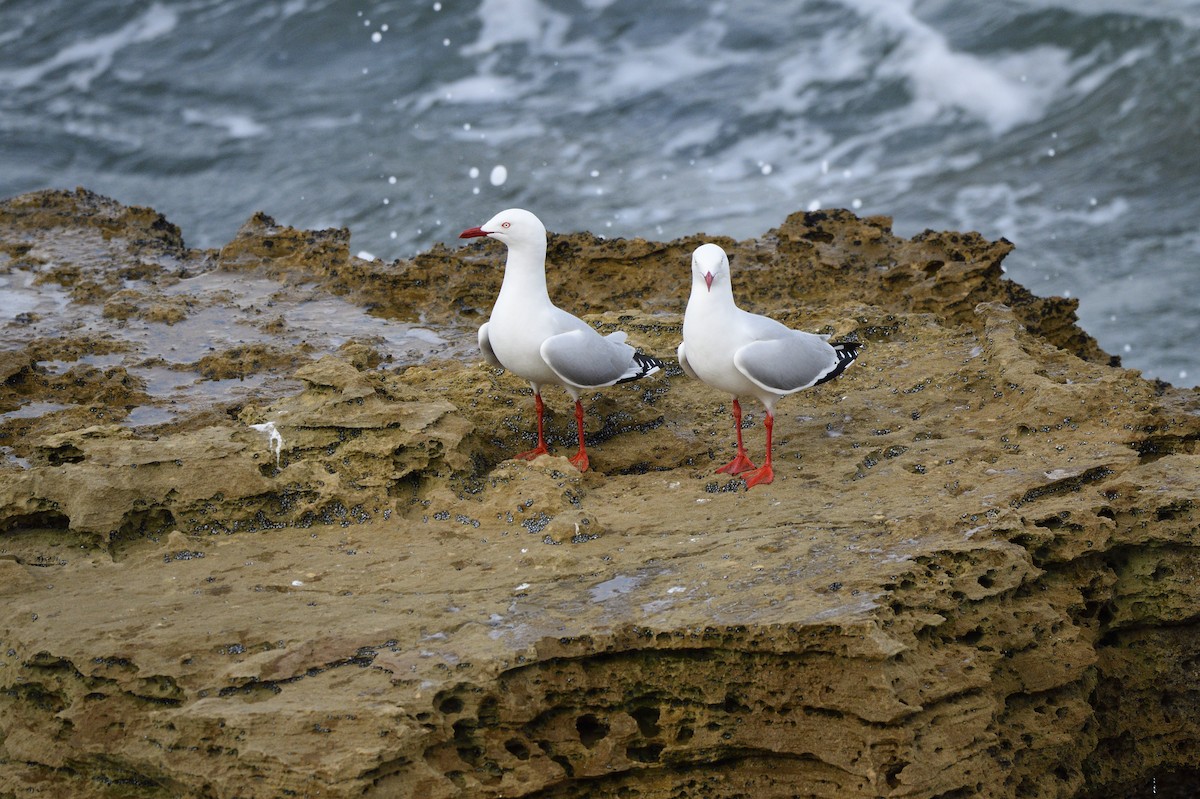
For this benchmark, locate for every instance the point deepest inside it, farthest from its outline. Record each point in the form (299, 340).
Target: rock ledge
(975, 574)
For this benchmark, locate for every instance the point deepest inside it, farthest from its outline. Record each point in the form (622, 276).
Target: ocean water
(1070, 127)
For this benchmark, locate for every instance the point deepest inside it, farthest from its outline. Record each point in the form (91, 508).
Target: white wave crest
(1002, 92)
(92, 57)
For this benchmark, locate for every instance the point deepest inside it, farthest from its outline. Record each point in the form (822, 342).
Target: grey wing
(585, 358)
(786, 364)
(485, 347)
(683, 362)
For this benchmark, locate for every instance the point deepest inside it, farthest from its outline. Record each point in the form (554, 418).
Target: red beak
(472, 233)
(708, 279)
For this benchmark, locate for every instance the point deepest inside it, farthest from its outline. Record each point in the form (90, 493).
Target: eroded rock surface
(974, 575)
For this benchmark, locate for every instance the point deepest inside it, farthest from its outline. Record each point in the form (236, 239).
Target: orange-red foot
(763, 474)
(580, 461)
(533, 453)
(736, 466)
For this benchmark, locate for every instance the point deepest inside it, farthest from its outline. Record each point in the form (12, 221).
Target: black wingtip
(644, 365)
(846, 351)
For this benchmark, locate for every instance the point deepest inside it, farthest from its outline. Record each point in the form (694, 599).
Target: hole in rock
(591, 730)
(734, 705)
(1050, 522)
(647, 720)
(67, 453)
(139, 524)
(47, 520)
(517, 748)
(891, 772)
(489, 712)
(1172, 511)
(649, 753)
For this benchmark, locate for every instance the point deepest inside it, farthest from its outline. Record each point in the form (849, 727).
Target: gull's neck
(524, 274)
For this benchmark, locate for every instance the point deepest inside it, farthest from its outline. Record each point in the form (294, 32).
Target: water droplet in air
(499, 175)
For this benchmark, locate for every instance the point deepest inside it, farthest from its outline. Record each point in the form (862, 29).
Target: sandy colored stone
(974, 575)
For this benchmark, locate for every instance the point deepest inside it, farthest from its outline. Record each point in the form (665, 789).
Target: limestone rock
(974, 575)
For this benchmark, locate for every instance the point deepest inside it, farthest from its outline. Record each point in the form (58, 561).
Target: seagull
(534, 339)
(746, 354)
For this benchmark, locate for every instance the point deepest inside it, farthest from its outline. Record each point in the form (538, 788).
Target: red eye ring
(506, 224)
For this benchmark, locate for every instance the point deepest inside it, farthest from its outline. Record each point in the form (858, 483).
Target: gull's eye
(506, 224)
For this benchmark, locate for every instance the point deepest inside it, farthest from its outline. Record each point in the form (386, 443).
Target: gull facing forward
(532, 338)
(746, 354)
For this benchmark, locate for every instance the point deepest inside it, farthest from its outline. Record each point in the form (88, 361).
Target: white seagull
(746, 354)
(534, 339)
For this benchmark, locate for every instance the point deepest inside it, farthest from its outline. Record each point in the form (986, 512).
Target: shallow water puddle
(249, 323)
(621, 584)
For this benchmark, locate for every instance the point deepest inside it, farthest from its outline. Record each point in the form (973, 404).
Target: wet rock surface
(258, 536)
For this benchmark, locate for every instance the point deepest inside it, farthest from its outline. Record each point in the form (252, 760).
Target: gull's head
(710, 264)
(514, 227)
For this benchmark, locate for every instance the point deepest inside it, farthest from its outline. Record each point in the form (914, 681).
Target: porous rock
(974, 575)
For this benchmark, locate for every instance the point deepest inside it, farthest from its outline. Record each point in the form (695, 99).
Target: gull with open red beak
(531, 337)
(745, 354)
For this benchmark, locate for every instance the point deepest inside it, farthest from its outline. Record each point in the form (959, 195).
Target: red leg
(740, 463)
(540, 449)
(763, 474)
(580, 459)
